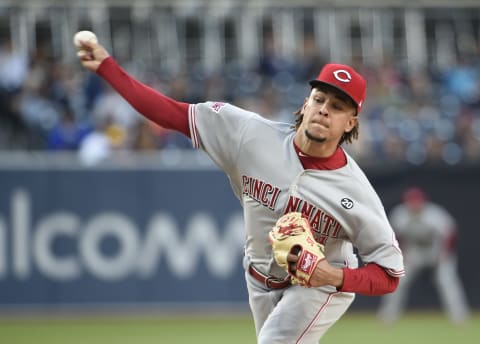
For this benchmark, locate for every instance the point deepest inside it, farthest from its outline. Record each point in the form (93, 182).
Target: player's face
(327, 115)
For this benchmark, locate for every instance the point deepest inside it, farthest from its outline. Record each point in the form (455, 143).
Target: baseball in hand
(84, 36)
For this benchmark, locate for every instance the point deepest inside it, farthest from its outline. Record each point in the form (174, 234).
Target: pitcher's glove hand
(292, 234)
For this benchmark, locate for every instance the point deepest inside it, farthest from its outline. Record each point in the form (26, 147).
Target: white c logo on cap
(342, 75)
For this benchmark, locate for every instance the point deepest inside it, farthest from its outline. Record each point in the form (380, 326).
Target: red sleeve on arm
(155, 106)
(370, 279)
(450, 242)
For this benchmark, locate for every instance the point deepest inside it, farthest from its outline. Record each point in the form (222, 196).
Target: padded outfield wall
(168, 237)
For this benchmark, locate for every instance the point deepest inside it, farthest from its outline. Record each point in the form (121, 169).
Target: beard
(314, 138)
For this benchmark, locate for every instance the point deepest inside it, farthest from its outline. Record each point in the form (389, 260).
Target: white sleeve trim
(395, 273)
(192, 112)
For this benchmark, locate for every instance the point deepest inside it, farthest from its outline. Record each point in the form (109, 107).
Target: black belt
(268, 281)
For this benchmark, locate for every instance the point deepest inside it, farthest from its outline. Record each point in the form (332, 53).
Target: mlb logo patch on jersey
(217, 106)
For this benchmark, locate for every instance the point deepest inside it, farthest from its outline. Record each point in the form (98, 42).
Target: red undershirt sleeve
(450, 242)
(370, 279)
(162, 110)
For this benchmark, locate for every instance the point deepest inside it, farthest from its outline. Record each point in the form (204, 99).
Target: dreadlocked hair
(346, 137)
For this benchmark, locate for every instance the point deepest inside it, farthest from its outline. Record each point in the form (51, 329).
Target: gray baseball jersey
(266, 175)
(268, 178)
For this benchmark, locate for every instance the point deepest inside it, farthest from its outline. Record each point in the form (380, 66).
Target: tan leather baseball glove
(292, 234)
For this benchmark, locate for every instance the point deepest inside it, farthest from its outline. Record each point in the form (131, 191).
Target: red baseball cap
(345, 79)
(414, 195)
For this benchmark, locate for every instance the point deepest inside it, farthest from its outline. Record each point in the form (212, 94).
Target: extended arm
(155, 106)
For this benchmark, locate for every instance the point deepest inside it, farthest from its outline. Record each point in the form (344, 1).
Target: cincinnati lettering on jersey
(324, 226)
(264, 193)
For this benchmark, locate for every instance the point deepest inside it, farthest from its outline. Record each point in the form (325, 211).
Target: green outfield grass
(358, 328)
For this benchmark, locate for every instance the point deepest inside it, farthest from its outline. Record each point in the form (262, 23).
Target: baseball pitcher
(306, 202)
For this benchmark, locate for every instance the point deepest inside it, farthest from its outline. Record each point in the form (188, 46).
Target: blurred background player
(427, 234)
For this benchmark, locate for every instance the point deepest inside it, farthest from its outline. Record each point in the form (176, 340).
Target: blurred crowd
(415, 116)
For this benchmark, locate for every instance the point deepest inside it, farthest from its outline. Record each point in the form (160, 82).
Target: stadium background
(100, 210)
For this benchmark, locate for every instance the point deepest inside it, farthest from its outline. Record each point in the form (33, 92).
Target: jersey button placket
(293, 189)
(294, 185)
